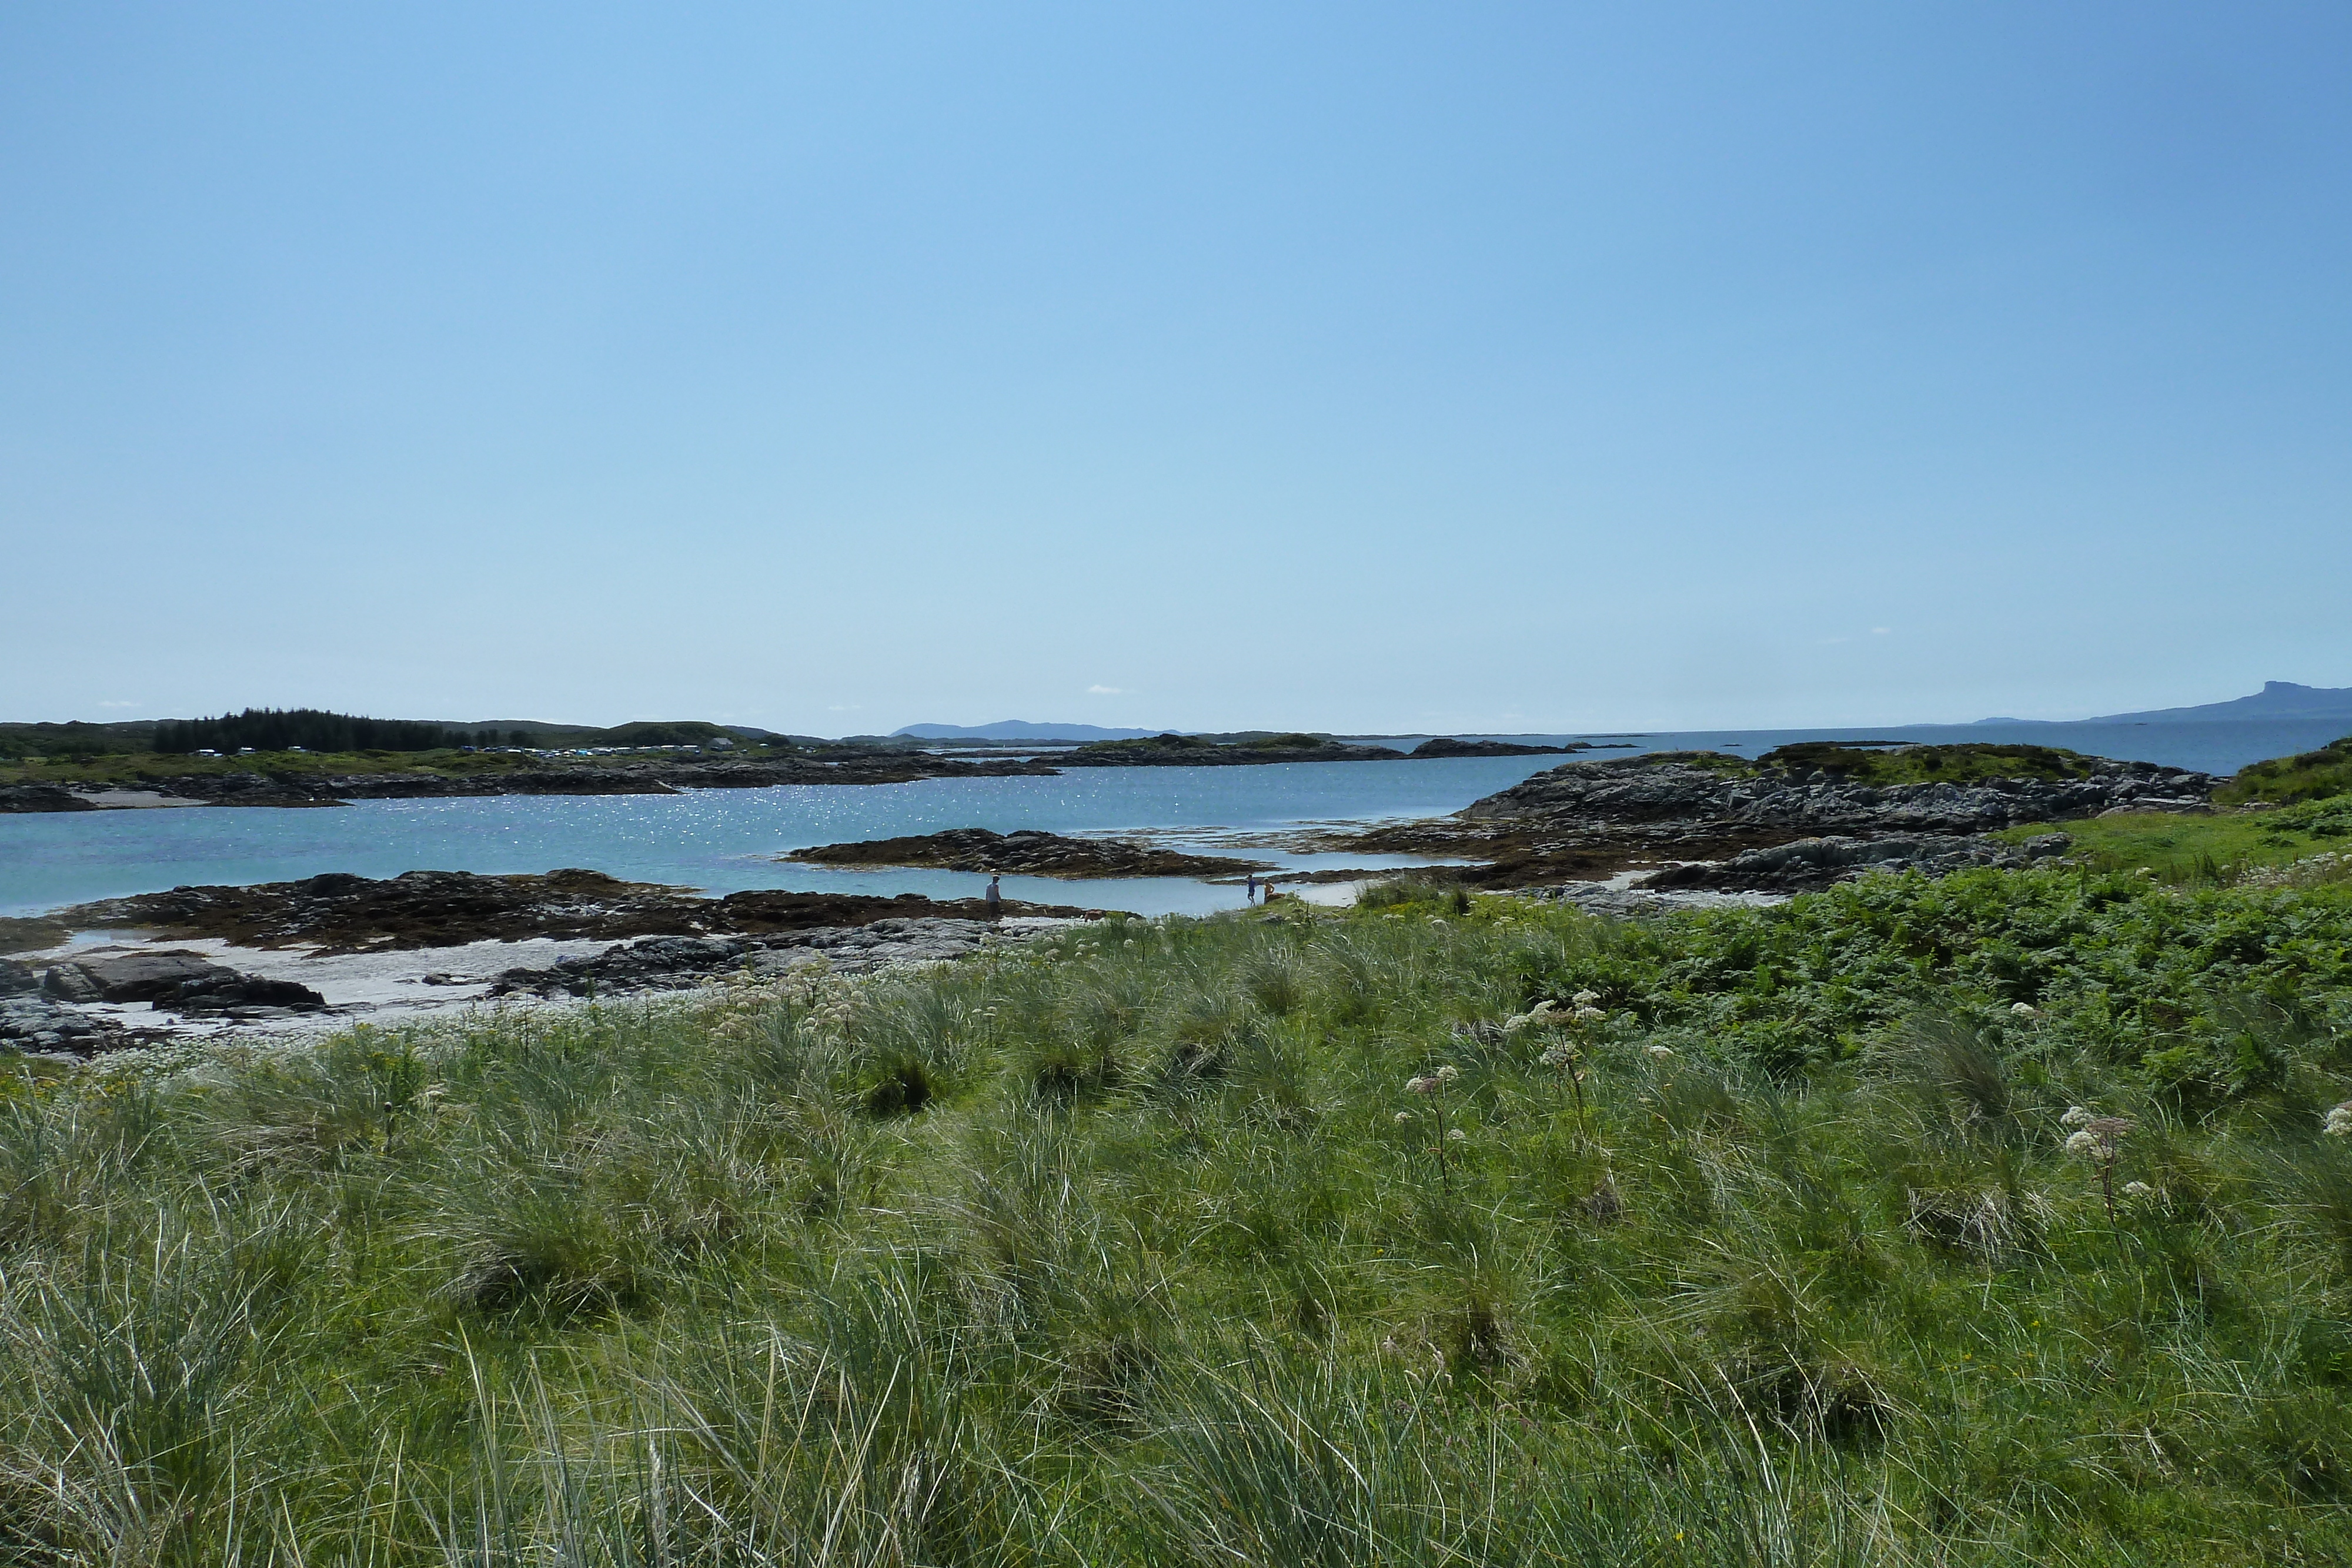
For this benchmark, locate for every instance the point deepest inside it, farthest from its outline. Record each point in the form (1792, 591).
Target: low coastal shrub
(2004, 1218)
(1962, 763)
(2310, 775)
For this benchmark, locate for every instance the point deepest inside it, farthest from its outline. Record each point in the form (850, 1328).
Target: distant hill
(2278, 699)
(1021, 729)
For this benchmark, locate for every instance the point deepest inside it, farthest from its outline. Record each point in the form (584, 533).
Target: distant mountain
(2278, 699)
(1022, 729)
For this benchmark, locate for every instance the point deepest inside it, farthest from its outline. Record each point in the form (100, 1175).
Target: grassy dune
(1138, 1249)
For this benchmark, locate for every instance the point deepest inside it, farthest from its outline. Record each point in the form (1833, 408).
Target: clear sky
(1353, 367)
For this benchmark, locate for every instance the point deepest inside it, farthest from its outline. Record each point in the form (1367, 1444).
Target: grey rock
(131, 976)
(17, 979)
(1810, 863)
(69, 983)
(38, 1024)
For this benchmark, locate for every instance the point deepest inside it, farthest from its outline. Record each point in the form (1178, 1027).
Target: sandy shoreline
(398, 986)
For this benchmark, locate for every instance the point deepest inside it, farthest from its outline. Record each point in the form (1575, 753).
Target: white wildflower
(1448, 1073)
(1588, 1015)
(2083, 1142)
(1659, 1053)
(1517, 1022)
(2139, 1189)
(2024, 1010)
(1404, 1118)
(1560, 1055)
(1541, 1008)
(2339, 1121)
(2075, 1116)
(1420, 1086)
(1585, 998)
(1456, 1135)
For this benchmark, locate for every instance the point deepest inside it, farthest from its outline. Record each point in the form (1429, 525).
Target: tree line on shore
(314, 729)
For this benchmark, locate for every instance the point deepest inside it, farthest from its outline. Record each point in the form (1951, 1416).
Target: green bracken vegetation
(1988, 1220)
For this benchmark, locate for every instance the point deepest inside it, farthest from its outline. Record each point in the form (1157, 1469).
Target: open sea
(723, 841)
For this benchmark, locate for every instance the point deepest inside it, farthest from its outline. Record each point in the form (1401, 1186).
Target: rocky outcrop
(37, 1025)
(341, 913)
(1803, 865)
(1640, 789)
(665, 962)
(42, 797)
(1589, 821)
(1445, 747)
(241, 997)
(1025, 852)
(132, 977)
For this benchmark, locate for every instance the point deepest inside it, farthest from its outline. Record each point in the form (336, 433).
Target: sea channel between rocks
(1626, 837)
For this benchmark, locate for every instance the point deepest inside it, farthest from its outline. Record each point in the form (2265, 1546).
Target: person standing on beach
(1252, 896)
(995, 896)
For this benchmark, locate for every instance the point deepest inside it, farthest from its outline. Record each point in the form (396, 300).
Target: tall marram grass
(1136, 1247)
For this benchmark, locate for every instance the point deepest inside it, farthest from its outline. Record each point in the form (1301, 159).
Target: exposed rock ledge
(339, 913)
(1025, 852)
(1590, 820)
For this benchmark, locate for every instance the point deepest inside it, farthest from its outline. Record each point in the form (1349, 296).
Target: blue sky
(1359, 368)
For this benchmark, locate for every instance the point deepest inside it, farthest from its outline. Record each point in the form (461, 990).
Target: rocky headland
(1025, 852)
(1782, 823)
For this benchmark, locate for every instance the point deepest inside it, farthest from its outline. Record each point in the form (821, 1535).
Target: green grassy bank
(1139, 1248)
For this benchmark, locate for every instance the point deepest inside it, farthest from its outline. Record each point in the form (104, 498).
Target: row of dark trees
(275, 729)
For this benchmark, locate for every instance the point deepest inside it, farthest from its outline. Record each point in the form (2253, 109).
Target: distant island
(2278, 699)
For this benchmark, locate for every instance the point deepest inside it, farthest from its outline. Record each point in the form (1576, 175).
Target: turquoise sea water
(725, 840)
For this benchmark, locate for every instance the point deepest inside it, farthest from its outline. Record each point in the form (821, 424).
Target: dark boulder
(238, 992)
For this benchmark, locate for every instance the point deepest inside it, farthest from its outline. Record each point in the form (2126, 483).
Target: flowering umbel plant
(2339, 1121)
(1565, 1055)
(2100, 1140)
(1433, 1085)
